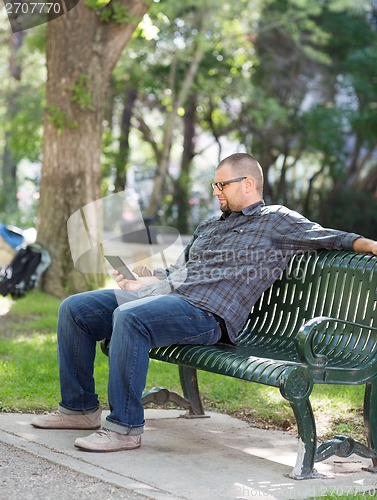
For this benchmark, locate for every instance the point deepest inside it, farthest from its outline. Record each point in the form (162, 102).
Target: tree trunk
(8, 200)
(81, 53)
(121, 161)
(8, 203)
(183, 188)
(178, 101)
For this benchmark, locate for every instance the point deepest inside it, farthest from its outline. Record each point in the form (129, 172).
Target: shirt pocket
(250, 245)
(239, 238)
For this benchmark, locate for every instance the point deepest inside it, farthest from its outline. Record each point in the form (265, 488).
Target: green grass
(347, 494)
(29, 380)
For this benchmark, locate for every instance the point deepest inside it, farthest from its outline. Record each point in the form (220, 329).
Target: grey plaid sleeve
(299, 233)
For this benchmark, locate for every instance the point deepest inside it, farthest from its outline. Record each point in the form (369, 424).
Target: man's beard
(224, 207)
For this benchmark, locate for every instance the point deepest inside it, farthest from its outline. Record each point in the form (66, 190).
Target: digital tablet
(118, 264)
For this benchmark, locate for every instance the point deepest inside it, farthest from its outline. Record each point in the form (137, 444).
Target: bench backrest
(338, 284)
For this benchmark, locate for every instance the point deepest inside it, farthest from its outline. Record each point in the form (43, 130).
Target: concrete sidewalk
(208, 458)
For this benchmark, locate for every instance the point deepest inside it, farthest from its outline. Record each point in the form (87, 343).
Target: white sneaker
(106, 440)
(60, 420)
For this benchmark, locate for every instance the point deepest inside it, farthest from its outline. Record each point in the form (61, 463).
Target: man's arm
(365, 245)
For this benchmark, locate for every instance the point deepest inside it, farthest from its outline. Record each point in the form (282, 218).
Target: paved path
(210, 458)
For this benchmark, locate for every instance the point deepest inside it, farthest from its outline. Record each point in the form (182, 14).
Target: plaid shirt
(232, 260)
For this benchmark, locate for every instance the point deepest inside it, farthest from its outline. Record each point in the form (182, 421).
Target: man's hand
(133, 285)
(365, 245)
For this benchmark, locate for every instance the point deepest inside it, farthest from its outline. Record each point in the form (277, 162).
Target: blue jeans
(134, 326)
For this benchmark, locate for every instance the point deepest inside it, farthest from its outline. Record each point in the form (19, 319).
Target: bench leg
(160, 396)
(307, 436)
(370, 421)
(344, 446)
(189, 383)
(191, 396)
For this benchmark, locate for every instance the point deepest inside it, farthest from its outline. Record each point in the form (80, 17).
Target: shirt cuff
(348, 239)
(160, 273)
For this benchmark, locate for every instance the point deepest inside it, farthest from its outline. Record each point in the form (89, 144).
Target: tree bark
(9, 173)
(81, 53)
(122, 158)
(178, 101)
(183, 185)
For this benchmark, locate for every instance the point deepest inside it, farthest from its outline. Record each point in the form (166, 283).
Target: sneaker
(60, 420)
(106, 440)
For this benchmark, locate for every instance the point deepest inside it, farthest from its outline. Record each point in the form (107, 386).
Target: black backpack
(25, 270)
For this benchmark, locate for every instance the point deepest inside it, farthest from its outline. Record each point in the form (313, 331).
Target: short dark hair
(243, 164)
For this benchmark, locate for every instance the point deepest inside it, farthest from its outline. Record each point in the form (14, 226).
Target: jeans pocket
(209, 337)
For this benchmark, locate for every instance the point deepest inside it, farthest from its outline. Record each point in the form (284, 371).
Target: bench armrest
(312, 332)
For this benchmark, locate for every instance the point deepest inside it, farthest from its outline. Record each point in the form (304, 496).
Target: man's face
(231, 198)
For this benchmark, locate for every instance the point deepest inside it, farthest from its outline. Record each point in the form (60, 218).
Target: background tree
(311, 120)
(355, 69)
(290, 62)
(271, 83)
(179, 68)
(82, 48)
(9, 176)
(21, 123)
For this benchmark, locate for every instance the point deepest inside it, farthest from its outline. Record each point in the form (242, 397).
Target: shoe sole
(66, 427)
(95, 450)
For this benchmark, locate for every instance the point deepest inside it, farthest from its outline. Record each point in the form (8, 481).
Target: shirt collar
(250, 210)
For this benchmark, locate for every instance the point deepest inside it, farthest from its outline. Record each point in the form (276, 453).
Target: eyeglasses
(220, 185)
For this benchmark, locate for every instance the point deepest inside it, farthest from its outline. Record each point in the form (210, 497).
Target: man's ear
(249, 184)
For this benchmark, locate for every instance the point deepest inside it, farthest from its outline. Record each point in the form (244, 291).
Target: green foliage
(36, 39)
(25, 125)
(97, 5)
(60, 118)
(353, 48)
(324, 126)
(316, 64)
(81, 92)
(352, 210)
(267, 112)
(113, 11)
(346, 494)
(121, 14)
(21, 114)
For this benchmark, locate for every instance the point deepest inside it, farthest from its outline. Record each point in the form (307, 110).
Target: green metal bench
(315, 325)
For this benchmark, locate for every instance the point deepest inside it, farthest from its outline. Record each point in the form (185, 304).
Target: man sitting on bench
(206, 294)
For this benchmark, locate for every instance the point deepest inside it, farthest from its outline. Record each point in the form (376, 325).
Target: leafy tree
(309, 116)
(22, 97)
(182, 68)
(353, 210)
(82, 49)
(179, 69)
(289, 46)
(9, 170)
